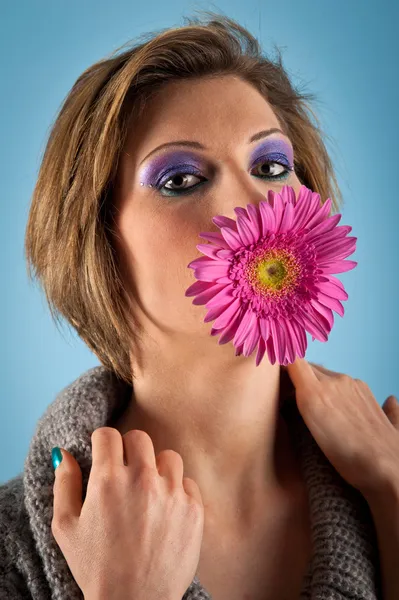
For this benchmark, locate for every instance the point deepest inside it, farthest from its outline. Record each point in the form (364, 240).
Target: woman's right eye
(181, 181)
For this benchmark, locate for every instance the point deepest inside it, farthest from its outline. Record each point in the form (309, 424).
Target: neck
(223, 419)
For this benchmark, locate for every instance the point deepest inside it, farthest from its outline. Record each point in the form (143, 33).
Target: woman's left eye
(270, 170)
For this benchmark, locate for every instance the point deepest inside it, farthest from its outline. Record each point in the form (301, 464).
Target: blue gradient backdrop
(345, 52)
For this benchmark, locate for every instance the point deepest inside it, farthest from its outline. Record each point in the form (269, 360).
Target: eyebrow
(192, 144)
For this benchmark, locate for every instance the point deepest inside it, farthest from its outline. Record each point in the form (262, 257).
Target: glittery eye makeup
(183, 165)
(162, 168)
(274, 149)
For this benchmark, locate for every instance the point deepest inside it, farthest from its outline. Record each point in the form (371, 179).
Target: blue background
(345, 51)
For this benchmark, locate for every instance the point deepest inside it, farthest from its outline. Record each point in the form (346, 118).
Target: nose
(241, 189)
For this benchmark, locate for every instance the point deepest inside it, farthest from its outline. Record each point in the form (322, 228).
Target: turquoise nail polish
(56, 456)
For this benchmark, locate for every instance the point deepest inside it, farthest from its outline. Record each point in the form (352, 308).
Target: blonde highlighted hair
(69, 240)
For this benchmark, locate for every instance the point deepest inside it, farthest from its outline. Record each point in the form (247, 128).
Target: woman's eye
(184, 183)
(271, 169)
(180, 181)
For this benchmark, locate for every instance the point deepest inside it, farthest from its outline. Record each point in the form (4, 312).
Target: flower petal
(232, 238)
(204, 296)
(287, 218)
(224, 319)
(245, 230)
(222, 221)
(267, 217)
(215, 237)
(337, 266)
(253, 337)
(243, 328)
(332, 303)
(323, 227)
(256, 223)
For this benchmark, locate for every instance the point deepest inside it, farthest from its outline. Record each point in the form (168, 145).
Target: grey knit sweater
(344, 564)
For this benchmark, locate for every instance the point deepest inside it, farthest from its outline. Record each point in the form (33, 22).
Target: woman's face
(167, 196)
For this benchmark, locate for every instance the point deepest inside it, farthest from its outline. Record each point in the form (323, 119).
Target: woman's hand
(139, 531)
(359, 438)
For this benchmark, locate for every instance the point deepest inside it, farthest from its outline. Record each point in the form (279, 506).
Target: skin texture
(218, 411)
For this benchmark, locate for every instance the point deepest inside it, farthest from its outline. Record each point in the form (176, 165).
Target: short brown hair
(68, 244)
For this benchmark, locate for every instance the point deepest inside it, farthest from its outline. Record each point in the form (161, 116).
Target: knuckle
(135, 434)
(60, 524)
(104, 432)
(148, 479)
(344, 378)
(170, 455)
(108, 479)
(195, 510)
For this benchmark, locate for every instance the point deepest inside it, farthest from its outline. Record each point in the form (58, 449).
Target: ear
(391, 409)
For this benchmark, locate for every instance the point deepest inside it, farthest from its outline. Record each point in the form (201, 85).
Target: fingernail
(56, 456)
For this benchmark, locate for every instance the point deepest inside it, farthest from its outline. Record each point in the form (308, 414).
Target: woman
(149, 145)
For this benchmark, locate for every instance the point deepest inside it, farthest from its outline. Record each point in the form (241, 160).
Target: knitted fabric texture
(344, 563)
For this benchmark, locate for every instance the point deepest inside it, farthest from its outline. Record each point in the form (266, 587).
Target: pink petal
(254, 216)
(261, 351)
(244, 328)
(337, 266)
(323, 227)
(246, 232)
(321, 215)
(209, 250)
(291, 340)
(215, 237)
(336, 247)
(264, 328)
(332, 289)
(232, 238)
(211, 273)
(222, 221)
(253, 337)
(279, 340)
(313, 326)
(300, 333)
(197, 287)
(229, 331)
(324, 311)
(288, 218)
(224, 319)
(204, 296)
(270, 350)
(226, 254)
(278, 209)
(288, 194)
(267, 218)
(223, 297)
(332, 303)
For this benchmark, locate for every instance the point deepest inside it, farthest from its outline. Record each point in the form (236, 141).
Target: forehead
(206, 109)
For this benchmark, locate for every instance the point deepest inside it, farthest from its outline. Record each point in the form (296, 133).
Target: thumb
(67, 488)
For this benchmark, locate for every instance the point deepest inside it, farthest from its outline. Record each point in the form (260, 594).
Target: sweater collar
(339, 514)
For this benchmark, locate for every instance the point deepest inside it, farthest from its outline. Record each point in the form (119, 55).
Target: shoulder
(12, 521)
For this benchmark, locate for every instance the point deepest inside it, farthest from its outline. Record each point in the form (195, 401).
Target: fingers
(391, 410)
(192, 490)
(139, 450)
(67, 502)
(107, 448)
(170, 465)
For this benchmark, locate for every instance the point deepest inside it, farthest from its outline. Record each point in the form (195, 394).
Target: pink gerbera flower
(267, 277)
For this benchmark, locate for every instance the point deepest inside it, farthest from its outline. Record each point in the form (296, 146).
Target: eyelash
(195, 172)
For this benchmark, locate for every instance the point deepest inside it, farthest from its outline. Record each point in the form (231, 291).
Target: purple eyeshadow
(165, 165)
(274, 147)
